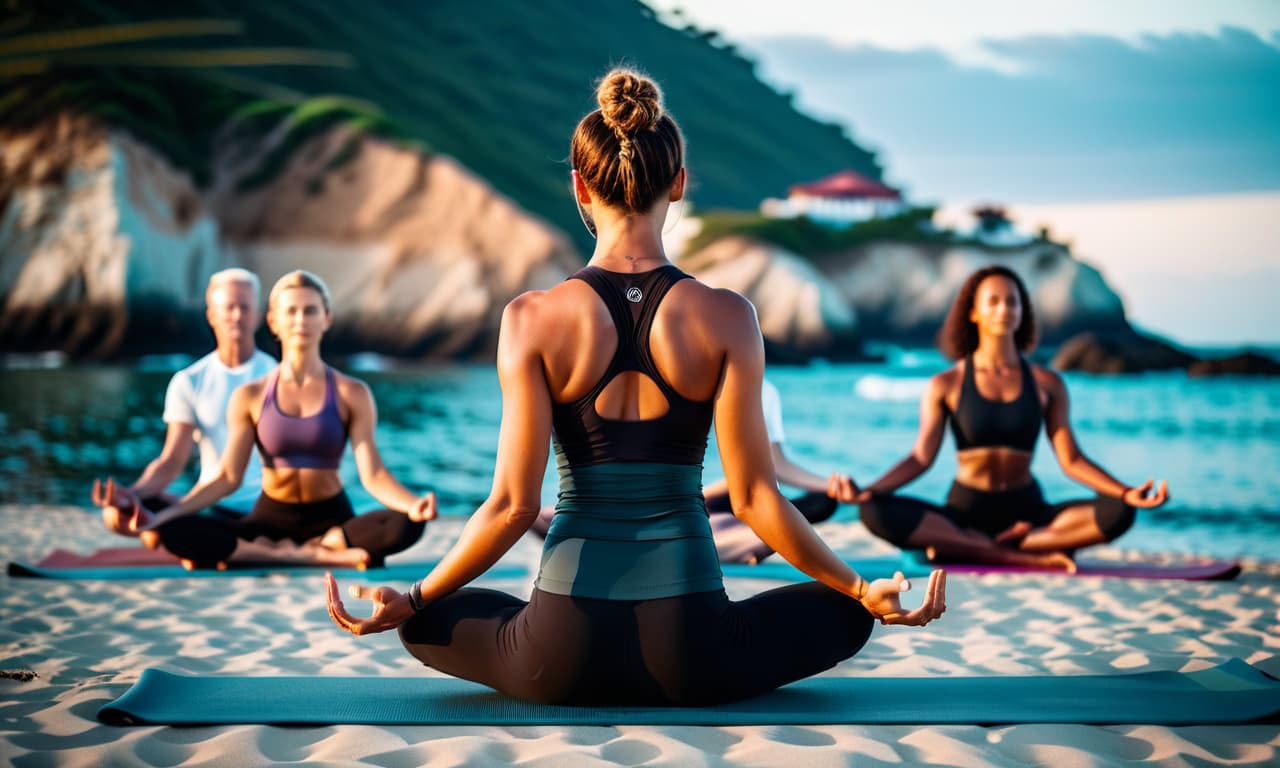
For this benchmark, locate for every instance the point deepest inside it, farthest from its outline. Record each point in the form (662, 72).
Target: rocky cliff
(896, 291)
(105, 249)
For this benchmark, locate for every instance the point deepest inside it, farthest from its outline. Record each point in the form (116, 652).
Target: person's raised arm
(524, 439)
(753, 489)
(791, 473)
(235, 457)
(374, 475)
(173, 458)
(933, 421)
(123, 506)
(1077, 466)
(514, 500)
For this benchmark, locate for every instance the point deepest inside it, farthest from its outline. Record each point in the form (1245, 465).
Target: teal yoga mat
(390, 572)
(1233, 692)
(777, 569)
(773, 569)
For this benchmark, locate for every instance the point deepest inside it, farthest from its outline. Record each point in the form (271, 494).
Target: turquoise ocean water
(1216, 440)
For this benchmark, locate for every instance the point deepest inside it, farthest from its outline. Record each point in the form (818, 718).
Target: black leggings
(894, 518)
(689, 650)
(207, 541)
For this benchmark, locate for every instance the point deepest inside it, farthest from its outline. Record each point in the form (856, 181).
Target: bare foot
(1014, 534)
(334, 539)
(264, 550)
(1058, 561)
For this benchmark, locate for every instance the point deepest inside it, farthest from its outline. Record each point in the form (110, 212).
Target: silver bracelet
(415, 596)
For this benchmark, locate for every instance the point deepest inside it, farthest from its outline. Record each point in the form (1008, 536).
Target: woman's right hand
(882, 600)
(1137, 497)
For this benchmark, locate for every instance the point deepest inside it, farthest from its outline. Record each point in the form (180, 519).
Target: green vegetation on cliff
(806, 237)
(498, 85)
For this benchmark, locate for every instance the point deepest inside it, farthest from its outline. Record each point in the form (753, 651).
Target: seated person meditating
(996, 401)
(195, 409)
(627, 364)
(301, 417)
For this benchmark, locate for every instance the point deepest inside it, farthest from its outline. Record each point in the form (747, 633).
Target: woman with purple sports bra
(996, 401)
(301, 417)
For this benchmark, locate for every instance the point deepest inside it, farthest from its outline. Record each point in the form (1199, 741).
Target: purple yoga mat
(1206, 570)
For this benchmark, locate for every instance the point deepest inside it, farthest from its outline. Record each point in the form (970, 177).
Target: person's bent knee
(1114, 518)
(879, 517)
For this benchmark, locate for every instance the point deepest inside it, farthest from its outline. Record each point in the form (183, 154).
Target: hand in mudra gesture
(122, 511)
(390, 608)
(423, 509)
(883, 600)
(1141, 497)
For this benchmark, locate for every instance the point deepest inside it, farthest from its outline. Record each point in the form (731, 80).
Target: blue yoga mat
(777, 569)
(773, 569)
(390, 572)
(1233, 692)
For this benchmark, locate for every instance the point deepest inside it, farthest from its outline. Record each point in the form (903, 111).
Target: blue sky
(1147, 133)
(1033, 102)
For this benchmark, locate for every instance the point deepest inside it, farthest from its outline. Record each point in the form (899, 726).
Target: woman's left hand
(423, 509)
(1137, 496)
(390, 608)
(843, 489)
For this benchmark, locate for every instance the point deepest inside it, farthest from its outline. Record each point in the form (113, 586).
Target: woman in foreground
(625, 364)
(301, 417)
(996, 401)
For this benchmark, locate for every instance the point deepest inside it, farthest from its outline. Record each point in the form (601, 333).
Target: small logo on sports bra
(634, 295)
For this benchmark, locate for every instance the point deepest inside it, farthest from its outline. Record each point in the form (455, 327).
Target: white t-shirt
(198, 395)
(772, 412)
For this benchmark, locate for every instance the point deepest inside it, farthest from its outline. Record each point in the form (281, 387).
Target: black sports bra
(679, 436)
(981, 423)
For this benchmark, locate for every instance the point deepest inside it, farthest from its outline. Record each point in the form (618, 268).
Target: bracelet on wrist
(415, 596)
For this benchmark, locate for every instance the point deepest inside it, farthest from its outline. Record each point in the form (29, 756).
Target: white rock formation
(106, 249)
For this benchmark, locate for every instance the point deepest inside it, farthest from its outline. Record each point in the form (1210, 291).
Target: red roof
(847, 184)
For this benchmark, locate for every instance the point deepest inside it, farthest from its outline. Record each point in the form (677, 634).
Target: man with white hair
(195, 408)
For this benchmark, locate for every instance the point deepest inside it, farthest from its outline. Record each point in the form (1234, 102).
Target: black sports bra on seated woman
(981, 423)
(679, 436)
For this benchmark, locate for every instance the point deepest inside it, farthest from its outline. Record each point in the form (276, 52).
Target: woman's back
(577, 339)
(630, 522)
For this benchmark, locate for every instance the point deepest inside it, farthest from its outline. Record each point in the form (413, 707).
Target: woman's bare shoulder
(723, 308)
(1048, 380)
(349, 386)
(948, 378)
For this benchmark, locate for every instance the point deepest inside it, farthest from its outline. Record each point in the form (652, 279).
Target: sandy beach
(87, 642)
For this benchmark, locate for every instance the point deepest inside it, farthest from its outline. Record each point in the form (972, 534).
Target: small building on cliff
(992, 226)
(841, 199)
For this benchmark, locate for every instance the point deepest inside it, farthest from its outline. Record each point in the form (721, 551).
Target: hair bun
(629, 101)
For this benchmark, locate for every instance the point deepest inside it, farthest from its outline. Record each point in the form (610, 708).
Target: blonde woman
(301, 417)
